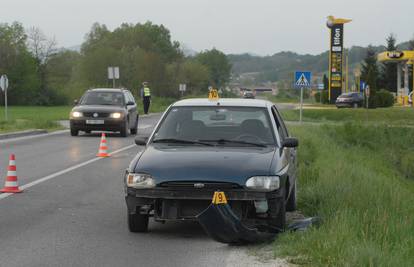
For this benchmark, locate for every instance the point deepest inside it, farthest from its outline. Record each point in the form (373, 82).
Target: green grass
(158, 104)
(36, 117)
(360, 181)
(391, 116)
(31, 117)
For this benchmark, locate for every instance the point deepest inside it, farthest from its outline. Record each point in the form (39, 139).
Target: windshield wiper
(180, 141)
(227, 141)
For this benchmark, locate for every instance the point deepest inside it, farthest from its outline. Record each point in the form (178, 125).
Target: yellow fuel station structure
(403, 59)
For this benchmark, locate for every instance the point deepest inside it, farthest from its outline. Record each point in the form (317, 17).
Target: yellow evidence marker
(219, 198)
(213, 94)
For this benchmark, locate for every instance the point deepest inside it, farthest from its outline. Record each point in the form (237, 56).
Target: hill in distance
(280, 66)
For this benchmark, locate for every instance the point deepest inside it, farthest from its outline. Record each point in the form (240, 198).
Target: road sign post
(302, 81)
(4, 84)
(182, 88)
(113, 74)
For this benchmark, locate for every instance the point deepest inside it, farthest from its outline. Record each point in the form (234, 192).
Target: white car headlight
(76, 114)
(116, 115)
(263, 183)
(140, 180)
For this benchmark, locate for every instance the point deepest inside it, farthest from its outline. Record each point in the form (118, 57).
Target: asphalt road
(72, 211)
(75, 215)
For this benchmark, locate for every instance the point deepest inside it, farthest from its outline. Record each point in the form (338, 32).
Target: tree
(369, 69)
(18, 64)
(325, 82)
(370, 73)
(42, 49)
(389, 71)
(218, 65)
(411, 44)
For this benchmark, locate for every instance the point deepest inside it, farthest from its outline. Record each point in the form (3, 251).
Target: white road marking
(9, 140)
(56, 174)
(144, 126)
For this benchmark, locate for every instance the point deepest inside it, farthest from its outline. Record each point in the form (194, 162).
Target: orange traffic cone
(11, 185)
(103, 148)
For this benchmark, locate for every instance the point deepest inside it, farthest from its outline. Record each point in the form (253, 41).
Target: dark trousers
(146, 101)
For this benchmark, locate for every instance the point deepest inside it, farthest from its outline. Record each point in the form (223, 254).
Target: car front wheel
(291, 203)
(277, 212)
(74, 132)
(138, 223)
(125, 128)
(134, 130)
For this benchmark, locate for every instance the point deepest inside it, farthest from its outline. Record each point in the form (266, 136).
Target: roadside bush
(384, 98)
(322, 97)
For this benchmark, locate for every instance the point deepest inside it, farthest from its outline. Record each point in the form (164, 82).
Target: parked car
(248, 94)
(199, 146)
(105, 110)
(350, 100)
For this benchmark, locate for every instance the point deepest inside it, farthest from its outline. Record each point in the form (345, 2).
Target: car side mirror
(290, 142)
(75, 102)
(130, 103)
(141, 141)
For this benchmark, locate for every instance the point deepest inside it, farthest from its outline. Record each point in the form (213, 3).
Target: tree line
(42, 74)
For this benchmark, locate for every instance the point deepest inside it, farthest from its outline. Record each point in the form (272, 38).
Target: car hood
(209, 164)
(101, 108)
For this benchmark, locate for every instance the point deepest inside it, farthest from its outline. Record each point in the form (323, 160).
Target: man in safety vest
(146, 96)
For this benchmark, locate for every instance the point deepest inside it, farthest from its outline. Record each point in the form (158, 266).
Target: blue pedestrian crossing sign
(303, 79)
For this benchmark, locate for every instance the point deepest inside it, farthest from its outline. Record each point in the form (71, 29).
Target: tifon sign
(336, 56)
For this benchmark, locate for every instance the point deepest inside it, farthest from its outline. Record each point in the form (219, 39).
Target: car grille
(100, 114)
(200, 185)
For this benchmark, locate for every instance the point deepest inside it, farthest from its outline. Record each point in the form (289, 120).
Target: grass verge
(32, 117)
(392, 116)
(360, 181)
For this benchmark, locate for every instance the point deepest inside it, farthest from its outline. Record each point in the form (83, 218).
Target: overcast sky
(234, 26)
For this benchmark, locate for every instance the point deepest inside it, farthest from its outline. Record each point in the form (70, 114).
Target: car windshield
(103, 98)
(347, 95)
(226, 126)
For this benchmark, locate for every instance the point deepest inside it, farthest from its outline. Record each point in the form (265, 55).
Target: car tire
(277, 210)
(134, 130)
(125, 128)
(291, 203)
(74, 132)
(138, 223)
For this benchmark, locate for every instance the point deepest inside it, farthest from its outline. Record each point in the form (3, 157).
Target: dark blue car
(199, 146)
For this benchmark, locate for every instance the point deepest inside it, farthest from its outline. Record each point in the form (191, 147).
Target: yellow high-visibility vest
(147, 91)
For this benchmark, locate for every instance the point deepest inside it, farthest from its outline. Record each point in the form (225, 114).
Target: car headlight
(140, 180)
(76, 114)
(116, 115)
(263, 183)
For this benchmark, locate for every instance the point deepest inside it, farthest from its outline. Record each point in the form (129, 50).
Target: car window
(216, 123)
(281, 128)
(131, 96)
(103, 98)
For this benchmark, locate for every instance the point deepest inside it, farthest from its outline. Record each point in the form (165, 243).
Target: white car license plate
(94, 121)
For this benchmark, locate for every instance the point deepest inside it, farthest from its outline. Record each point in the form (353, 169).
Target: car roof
(108, 90)
(235, 102)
